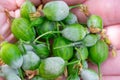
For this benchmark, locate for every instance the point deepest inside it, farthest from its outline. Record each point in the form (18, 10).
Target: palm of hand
(108, 10)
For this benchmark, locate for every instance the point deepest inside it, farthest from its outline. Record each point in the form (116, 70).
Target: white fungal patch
(8, 70)
(56, 10)
(87, 74)
(28, 47)
(68, 33)
(54, 65)
(90, 40)
(71, 19)
(85, 65)
(74, 32)
(63, 12)
(12, 77)
(30, 60)
(95, 21)
(17, 63)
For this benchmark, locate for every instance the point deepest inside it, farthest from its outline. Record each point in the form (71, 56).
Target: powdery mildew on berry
(74, 33)
(8, 70)
(28, 47)
(95, 21)
(87, 74)
(30, 60)
(56, 10)
(12, 77)
(71, 19)
(90, 40)
(17, 63)
(54, 65)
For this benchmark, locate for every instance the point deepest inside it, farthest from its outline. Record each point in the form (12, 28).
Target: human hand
(13, 7)
(106, 9)
(14, 11)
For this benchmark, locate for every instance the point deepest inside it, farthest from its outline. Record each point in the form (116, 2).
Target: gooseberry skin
(8, 70)
(56, 10)
(95, 21)
(12, 77)
(70, 19)
(99, 52)
(65, 53)
(27, 8)
(46, 26)
(21, 29)
(88, 74)
(52, 67)
(41, 50)
(11, 55)
(30, 61)
(90, 40)
(82, 53)
(74, 32)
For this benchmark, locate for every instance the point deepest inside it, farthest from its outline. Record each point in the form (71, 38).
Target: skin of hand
(107, 9)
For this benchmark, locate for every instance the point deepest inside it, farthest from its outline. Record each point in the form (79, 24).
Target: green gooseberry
(56, 10)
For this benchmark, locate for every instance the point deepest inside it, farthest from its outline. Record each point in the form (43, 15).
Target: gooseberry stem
(49, 32)
(63, 25)
(78, 52)
(20, 74)
(48, 44)
(69, 45)
(99, 72)
(71, 7)
(77, 61)
(39, 42)
(58, 29)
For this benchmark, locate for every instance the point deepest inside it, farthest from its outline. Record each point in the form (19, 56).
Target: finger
(1, 8)
(19, 2)
(11, 13)
(80, 15)
(113, 33)
(1, 78)
(4, 24)
(35, 2)
(107, 9)
(11, 38)
(8, 4)
(3, 18)
(69, 2)
(5, 29)
(17, 13)
(14, 4)
(111, 66)
(111, 77)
